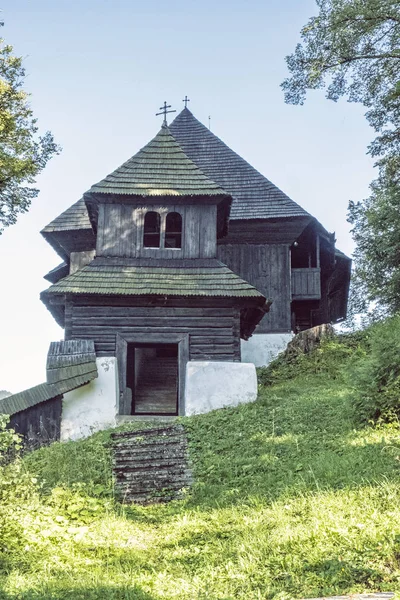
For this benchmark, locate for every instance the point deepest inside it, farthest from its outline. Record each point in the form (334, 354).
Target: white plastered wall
(93, 406)
(212, 385)
(262, 348)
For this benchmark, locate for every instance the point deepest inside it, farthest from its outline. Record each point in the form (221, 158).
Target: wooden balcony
(306, 284)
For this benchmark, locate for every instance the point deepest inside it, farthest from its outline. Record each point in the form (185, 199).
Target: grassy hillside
(291, 500)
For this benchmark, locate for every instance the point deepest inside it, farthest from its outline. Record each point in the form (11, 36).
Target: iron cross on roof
(164, 111)
(186, 100)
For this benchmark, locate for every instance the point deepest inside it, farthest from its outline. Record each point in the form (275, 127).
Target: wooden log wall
(267, 267)
(214, 332)
(40, 424)
(265, 231)
(120, 231)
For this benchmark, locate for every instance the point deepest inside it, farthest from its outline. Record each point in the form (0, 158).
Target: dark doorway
(152, 376)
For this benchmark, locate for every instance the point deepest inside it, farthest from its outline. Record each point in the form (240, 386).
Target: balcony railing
(306, 284)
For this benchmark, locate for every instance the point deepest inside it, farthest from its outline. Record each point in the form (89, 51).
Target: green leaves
(352, 49)
(23, 153)
(376, 231)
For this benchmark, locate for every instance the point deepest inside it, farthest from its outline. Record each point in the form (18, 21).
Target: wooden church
(182, 270)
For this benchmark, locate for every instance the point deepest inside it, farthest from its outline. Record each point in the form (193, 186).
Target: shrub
(329, 359)
(17, 489)
(376, 375)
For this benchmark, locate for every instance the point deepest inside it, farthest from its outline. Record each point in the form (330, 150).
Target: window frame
(175, 233)
(162, 214)
(157, 233)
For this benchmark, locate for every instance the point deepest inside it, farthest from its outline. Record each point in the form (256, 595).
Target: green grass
(291, 501)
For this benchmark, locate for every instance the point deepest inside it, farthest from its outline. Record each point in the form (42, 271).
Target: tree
(376, 232)
(23, 153)
(352, 48)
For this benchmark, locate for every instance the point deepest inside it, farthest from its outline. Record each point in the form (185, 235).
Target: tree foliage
(352, 49)
(376, 231)
(23, 153)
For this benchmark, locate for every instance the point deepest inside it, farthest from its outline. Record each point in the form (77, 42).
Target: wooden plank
(139, 220)
(192, 237)
(124, 407)
(100, 231)
(183, 357)
(160, 321)
(196, 340)
(218, 357)
(128, 231)
(140, 311)
(40, 424)
(102, 301)
(223, 349)
(111, 230)
(208, 231)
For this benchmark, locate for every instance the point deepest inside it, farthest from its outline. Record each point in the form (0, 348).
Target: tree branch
(382, 18)
(349, 59)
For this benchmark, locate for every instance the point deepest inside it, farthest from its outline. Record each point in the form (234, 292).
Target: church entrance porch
(152, 377)
(151, 373)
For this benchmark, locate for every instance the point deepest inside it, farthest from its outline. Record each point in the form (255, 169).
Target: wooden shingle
(70, 365)
(254, 196)
(168, 277)
(161, 168)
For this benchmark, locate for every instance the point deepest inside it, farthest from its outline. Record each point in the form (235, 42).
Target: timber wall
(214, 332)
(40, 424)
(120, 231)
(267, 267)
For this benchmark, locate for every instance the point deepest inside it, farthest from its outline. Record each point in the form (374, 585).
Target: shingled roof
(71, 231)
(166, 277)
(161, 168)
(70, 365)
(74, 218)
(254, 196)
(57, 273)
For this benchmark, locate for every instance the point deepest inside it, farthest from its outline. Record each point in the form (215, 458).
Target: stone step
(142, 442)
(173, 452)
(154, 488)
(151, 465)
(165, 430)
(136, 485)
(145, 419)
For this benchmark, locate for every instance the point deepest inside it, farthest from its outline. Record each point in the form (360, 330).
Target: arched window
(151, 233)
(173, 230)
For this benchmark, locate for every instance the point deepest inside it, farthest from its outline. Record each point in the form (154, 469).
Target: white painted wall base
(93, 406)
(262, 348)
(211, 385)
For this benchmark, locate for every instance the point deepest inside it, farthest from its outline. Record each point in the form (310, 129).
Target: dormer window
(152, 230)
(173, 230)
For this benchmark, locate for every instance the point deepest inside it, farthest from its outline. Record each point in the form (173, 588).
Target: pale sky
(98, 70)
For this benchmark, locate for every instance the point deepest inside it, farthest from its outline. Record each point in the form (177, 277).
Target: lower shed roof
(70, 365)
(150, 277)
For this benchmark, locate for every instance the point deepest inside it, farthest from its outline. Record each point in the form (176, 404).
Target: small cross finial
(164, 111)
(186, 100)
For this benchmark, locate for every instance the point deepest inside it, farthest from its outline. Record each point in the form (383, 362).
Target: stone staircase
(151, 465)
(157, 388)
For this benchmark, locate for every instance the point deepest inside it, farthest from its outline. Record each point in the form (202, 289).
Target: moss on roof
(254, 196)
(161, 168)
(136, 277)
